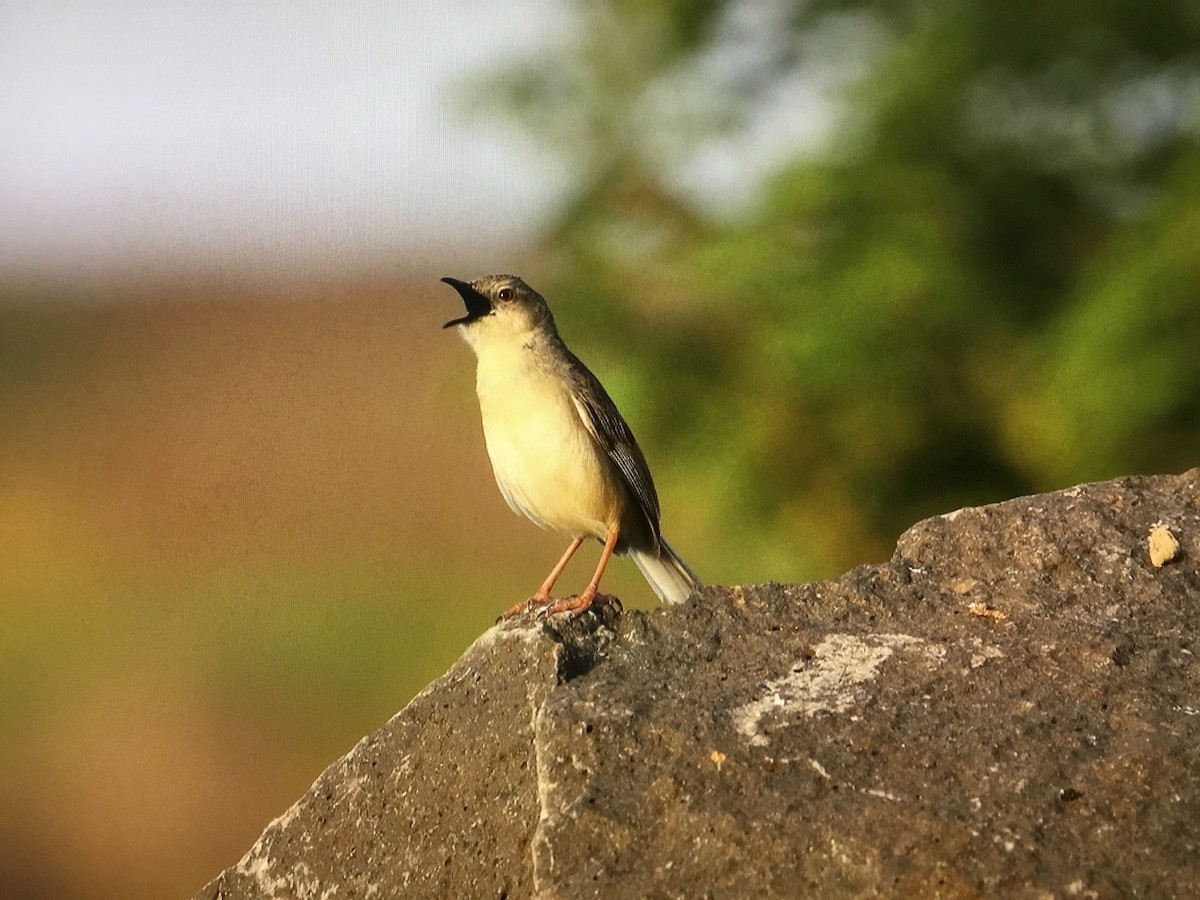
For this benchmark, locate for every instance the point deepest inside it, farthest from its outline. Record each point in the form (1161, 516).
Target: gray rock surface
(1009, 707)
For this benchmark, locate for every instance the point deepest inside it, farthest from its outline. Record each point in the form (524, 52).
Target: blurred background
(843, 265)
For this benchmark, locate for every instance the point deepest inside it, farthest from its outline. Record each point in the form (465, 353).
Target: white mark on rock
(882, 795)
(984, 653)
(828, 682)
(818, 768)
(299, 882)
(258, 867)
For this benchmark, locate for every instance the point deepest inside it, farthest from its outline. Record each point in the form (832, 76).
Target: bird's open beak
(478, 305)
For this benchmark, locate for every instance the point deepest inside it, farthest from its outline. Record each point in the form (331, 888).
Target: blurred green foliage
(984, 281)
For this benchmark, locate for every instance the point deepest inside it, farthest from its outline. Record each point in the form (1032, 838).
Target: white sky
(260, 134)
(285, 135)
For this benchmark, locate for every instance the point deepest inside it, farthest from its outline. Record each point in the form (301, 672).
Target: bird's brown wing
(604, 422)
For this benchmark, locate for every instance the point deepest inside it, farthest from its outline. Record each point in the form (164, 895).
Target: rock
(1009, 707)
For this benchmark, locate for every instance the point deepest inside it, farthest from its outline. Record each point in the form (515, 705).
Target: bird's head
(499, 305)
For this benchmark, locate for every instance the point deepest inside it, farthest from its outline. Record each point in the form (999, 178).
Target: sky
(283, 135)
(261, 134)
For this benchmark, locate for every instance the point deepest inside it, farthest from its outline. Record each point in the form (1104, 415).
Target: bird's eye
(504, 294)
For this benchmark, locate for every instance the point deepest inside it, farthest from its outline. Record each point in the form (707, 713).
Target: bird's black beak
(478, 305)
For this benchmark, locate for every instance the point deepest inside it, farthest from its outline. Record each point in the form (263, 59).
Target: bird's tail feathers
(672, 578)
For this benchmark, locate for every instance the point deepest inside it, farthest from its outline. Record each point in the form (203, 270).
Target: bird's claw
(544, 607)
(576, 606)
(535, 602)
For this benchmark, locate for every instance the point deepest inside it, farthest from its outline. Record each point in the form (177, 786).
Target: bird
(562, 454)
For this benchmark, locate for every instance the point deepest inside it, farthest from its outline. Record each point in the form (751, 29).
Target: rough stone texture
(1009, 707)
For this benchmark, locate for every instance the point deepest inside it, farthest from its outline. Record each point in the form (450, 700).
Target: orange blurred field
(240, 526)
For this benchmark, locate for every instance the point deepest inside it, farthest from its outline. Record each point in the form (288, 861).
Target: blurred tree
(984, 281)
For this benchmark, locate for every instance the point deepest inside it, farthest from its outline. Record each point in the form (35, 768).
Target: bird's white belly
(546, 464)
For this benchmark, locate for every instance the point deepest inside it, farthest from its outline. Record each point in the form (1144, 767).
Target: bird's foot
(577, 606)
(538, 601)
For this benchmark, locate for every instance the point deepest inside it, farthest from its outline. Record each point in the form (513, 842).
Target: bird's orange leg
(542, 596)
(580, 604)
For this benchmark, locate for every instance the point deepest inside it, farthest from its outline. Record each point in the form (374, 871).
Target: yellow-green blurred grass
(240, 526)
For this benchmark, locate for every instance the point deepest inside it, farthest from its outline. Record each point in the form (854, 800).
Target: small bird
(561, 452)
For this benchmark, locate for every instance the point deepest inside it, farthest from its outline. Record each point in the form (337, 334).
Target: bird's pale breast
(546, 463)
